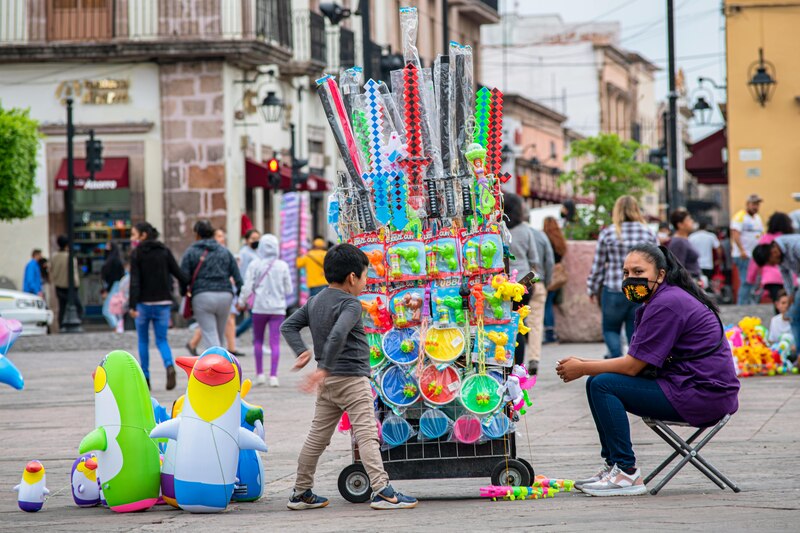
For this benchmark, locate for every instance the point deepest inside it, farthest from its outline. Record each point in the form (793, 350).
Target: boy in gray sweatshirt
(341, 379)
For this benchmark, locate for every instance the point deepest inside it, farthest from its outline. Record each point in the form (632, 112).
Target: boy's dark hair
(62, 241)
(204, 229)
(36, 252)
(343, 260)
(678, 216)
(761, 253)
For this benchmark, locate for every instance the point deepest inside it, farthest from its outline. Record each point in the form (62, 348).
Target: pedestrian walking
(152, 268)
(341, 378)
(59, 275)
(708, 246)
(558, 278)
(605, 279)
(246, 256)
(113, 270)
(312, 262)
(266, 287)
(680, 245)
(769, 275)
(32, 278)
(746, 229)
(210, 268)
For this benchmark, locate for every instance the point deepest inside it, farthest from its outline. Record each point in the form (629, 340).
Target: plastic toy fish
(31, 491)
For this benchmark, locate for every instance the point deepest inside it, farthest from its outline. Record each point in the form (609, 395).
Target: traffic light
(298, 178)
(94, 155)
(274, 174)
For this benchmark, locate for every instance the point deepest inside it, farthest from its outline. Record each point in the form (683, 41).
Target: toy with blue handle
(10, 330)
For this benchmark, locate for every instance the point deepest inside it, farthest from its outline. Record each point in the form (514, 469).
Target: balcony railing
(45, 21)
(347, 48)
(491, 3)
(309, 33)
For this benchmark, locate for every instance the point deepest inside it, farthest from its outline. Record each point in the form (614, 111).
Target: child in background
(342, 376)
(781, 324)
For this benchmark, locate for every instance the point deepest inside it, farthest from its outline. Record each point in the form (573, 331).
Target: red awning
(707, 163)
(256, 175)
(113, 176)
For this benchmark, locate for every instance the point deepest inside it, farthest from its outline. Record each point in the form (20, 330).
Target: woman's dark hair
(678, 216)
(204, 229)
(512, 206)
(343, 260)
(147, 228)
(676, 275)
(569, 206)
(780, 223)
(249, 232)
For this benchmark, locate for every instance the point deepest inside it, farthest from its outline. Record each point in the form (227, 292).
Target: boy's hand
(312, 382)
(302, 360)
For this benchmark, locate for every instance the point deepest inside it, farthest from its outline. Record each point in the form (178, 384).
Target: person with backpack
(152, 268)
(266, 287)
(312, 263)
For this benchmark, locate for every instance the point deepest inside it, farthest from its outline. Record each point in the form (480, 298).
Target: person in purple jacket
(678, 368)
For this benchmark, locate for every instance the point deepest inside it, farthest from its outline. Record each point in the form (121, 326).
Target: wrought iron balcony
(310, 47)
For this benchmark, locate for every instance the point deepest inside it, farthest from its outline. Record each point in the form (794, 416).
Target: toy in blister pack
(483, 254)
(406, 307)
(375, 312)
(485, 303)
(406, 258)
(401, 346)
(447, 305)
(442, 257)
(499, 343)
(372, 246)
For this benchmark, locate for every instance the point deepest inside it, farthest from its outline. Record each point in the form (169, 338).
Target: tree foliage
(19, 144)
(613, 170)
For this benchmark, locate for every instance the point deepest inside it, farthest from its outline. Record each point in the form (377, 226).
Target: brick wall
(192, 137)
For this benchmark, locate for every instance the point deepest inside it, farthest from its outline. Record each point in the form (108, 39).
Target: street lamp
(334, 12)
(271, 108)
(762, 81)
(702, 109)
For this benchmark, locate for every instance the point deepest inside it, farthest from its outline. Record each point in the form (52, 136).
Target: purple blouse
(674, 323)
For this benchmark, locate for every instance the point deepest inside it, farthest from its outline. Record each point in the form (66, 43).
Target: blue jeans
(617, 310)
(159, 316)
(245, 324)
(794, 314)
(745, 295)
(549, 317)
(610, 397)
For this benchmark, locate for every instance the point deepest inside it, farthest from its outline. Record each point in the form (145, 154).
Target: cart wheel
(354, 484)
(511, 473)
(528, 466)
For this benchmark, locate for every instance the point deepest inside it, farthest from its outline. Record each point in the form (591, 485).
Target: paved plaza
(758, 449)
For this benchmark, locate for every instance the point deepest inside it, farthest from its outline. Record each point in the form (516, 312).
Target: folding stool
(691, 454)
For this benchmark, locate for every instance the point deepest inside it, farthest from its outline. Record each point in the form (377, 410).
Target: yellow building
(763, 145)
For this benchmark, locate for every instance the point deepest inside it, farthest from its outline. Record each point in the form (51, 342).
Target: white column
(258, 208)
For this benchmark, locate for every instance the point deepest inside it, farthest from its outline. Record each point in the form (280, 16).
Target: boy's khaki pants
(337, 394)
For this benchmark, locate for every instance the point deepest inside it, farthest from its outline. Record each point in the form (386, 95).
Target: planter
(578, 319)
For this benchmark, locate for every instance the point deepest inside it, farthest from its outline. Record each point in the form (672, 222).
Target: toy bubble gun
(376, 260)
(410, 256)
(472, 256)
(488, 251)
(514, 493)
(455, 304)
(430, 255)
(400, 312)
(448, 253)
(376, 311)
(495, 303)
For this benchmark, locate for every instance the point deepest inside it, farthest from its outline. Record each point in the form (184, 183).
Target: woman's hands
(570, 369)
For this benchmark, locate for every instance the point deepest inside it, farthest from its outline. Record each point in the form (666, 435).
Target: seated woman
(680, 336)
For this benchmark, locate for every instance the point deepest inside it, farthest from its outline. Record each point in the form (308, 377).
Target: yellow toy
(500, 339)
(507, 290)
(523, 312)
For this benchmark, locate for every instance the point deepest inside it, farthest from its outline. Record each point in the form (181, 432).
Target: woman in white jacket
(268, 277)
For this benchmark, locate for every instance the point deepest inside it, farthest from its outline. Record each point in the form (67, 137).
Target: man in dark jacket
(152, 268)
(214, 278)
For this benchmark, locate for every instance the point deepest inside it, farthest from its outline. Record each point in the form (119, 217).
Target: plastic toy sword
(380, 173)
(444, 136)
(415, 162)
(462, 168)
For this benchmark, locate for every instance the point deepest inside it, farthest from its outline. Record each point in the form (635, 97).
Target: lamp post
(762, 80)
(72, 321)
(672, 143)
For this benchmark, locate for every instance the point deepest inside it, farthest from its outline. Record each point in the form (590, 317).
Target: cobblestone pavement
(758, 449)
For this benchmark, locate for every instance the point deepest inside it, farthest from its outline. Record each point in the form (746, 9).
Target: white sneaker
(260, 379)
(617, 483)
(603, 472)
(273, 381)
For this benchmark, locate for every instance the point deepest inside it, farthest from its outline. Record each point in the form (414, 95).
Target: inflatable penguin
(168, 466)
(31, 491)
(250, 471)
(85, 490)
(128, 459)
(208, 433)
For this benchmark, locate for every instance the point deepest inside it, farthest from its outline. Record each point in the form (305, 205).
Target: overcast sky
(699, 35)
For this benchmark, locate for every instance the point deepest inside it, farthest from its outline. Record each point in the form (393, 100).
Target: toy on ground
(250, 471)
(31, 491)
(128, 460)
(10, 330)
(85, 490)
(753, 357)
(208, 433)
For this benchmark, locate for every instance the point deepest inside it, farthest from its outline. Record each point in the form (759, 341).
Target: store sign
(95, 92)
(91, 185)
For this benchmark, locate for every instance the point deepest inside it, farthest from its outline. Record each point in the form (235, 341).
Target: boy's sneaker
(306, 500)
(595, 478)
(389, 498)
(617, 483)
